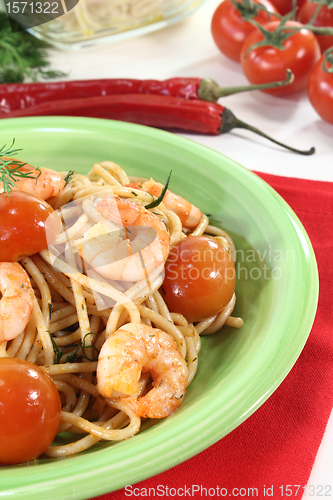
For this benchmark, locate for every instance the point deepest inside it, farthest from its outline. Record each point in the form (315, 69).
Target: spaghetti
(82, 307)
(90, 16)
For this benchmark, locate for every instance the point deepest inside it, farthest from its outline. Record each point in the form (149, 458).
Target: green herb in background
(22, 56)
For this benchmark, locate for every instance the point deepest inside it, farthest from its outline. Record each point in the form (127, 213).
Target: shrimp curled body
(44, 183)
(189, 214)
(136, 348)
(17, 300)
(131, 256)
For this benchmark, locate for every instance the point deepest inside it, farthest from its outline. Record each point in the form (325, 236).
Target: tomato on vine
(320, 86)
(319, 14)
(231, 24)
(271, 49)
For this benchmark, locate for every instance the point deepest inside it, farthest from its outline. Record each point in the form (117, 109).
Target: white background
(187, 49)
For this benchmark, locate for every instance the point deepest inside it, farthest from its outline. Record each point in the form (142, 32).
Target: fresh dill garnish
(175, 397)
(69, 176)
(72, 357)
(92, 346)
(22, 56)
(10, 169)
(156, 202)
(57, 353)
(50, 310)
(79, 351)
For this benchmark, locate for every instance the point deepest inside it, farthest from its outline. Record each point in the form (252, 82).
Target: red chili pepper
(14, 96)
(165, 112)
(23, 95)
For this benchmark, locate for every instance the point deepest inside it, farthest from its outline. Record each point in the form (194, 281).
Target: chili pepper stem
(229, 122)
(210, 91)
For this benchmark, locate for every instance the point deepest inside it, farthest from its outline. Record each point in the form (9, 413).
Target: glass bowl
(93, 22)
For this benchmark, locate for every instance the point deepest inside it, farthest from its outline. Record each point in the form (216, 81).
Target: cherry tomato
(229, 29)
(285, 6)
(27, 225)
(324, 18)
(320, 89)
(268, 64)
(199, 278)
(29, 411)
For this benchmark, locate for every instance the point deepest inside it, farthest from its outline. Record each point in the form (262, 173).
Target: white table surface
(187, 49)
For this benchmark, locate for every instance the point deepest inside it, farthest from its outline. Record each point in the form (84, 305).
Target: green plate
(277, 292)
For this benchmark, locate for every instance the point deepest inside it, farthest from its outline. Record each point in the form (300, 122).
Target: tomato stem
(249, 10)
(210, 91)
(282, 32)
(229, 122)
(277, 37)
(319, 30)
(328, 60)
(294, 9)
(315, 14)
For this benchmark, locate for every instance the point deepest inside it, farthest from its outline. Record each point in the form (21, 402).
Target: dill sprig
(22, 56)
(10, 169)
(69, 176)
(158, 200)
(79, 351)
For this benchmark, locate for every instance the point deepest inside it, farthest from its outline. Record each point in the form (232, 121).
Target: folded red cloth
(277, 445)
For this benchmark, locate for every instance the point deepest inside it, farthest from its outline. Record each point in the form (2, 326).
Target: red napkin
(277, 445)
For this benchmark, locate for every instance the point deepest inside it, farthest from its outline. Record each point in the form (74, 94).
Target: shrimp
(17, 300)
(128, 254)
(136, 348)
(189, 214)
(44, 183)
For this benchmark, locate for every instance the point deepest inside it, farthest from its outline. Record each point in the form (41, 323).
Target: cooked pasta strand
(78, 313)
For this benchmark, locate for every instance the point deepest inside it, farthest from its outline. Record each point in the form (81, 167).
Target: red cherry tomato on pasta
(320, 88)
(230, 30)
(324, 18)
(199, 278)
(266, 63)
(27, 225)
(285, 6)
(29, 411)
